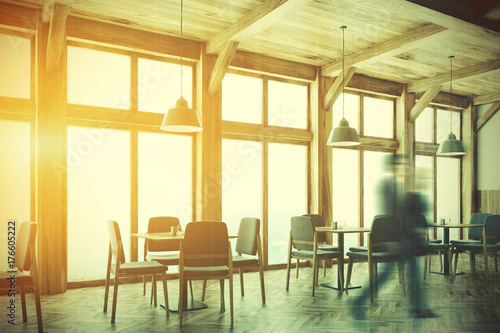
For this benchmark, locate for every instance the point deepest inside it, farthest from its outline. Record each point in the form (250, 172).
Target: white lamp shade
(451, 146)
(343, 135)
(181, 118)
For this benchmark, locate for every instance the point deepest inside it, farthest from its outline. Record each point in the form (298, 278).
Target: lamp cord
(343, 73)
(451, 92)
(182, 6)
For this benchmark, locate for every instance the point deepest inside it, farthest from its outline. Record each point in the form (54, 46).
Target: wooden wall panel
(489, 201)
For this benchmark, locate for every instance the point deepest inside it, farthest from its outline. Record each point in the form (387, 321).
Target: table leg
(340, 283)
(188, 304)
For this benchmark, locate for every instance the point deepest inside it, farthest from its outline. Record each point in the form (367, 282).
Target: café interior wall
(488, 153)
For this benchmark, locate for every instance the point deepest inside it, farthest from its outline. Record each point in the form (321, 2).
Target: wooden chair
(384, 244)
(475, 234)
(489, 244)
(319, 221)
(206, 255)
(166, 252)
(303, 244)
(120, 268)
(249, 253)
(25, 262)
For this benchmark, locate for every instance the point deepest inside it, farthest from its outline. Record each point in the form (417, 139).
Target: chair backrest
(303, 231)
(318, 221)
(492, 228)
(161, 224)
(386, 230)
(477, 218)
(206, 244)
(247, 236)
(26, 236)
(115, 237)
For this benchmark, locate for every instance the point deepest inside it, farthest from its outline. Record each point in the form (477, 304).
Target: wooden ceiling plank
(396, 45)
(424, 101)
(337, 86)
(487, 115)
(57, 36)
(485, 99)
(261, 18)
(221, 66)
(464, 73)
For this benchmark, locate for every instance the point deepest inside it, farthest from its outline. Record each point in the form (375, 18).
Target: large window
(287, 195)
(98, 190)
(287, 104)
(15, 64)
(241, 181)
(269, 103)
(448, 191)
(345, 191)
(159, 85)
(15, 198)
(242, 98)
(378, 117)
(164, 179)
(98, 78)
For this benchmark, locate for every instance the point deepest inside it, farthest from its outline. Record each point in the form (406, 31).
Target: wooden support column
(208, 143)
(469, 202)
(51, 154)
(405, 132)
(323, 164)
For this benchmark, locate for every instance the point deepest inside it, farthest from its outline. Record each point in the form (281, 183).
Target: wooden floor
(467, 304)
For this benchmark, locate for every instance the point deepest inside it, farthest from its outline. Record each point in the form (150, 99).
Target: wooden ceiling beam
(464, 73)
(485, 99)
(267, 14)
(391, 47)
(424, 101)
(487, 115)
(221, 66)
(337, 87)
(57, 35)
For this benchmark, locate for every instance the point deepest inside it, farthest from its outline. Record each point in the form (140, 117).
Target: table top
(164, 235)
(455, 225)
(343, 230)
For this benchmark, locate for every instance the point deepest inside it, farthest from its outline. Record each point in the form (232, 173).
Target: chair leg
(203, 291)
(115, 296)
(370, 277)
(241, 283)
(154, 290)
(191, 287)
(262, 285)
(165, 291)
(425, 266)
(181, 296)
(231, 299)
(440, 259)
(315, 275)
(324, 267)
(486, 266)
(456, 264)
(288, 272)
(23, 303)
(222, 303)
(297, 269)
(144, 285)
(402, 274)
(106, 292)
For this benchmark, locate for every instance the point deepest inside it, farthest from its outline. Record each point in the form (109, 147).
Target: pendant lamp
(181, 118)
(343, 135)
(451, 146)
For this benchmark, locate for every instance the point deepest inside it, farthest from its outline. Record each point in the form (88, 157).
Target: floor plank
(466, 304)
